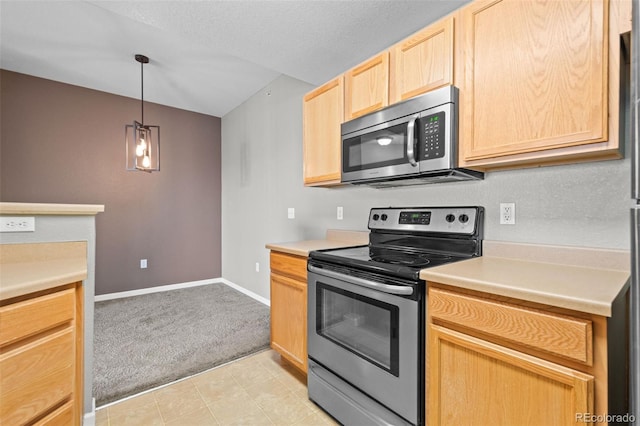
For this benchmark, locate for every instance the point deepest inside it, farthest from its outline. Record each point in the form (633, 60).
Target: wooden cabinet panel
(27, 363)
(422, 62)
(31, 316)
(39, 396)
(476, 382)
(367, 87)
(323, 112)
(41, 358)
(535, 78)
(289, 265)
(63, 416)
(289, 319)
(568, 337)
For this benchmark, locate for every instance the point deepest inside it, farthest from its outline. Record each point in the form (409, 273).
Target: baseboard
(247, 292)
(120, 295)
(89, 419)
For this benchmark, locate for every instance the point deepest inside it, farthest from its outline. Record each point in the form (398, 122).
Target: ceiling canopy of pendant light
(142, 141)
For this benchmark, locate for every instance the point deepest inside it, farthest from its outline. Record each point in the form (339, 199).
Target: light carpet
(146, 341)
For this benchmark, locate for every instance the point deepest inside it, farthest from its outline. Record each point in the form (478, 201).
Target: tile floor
(257, 390)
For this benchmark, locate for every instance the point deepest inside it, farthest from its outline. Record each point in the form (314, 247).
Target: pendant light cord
(142, 90)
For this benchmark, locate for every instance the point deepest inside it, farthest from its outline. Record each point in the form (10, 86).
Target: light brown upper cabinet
(367, 87)
(422, 62)
(323, 112)
(538, 82)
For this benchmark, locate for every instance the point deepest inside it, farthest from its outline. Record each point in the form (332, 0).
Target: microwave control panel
(432, 128)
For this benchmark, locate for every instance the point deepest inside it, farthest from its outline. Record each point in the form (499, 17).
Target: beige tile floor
(258, 390)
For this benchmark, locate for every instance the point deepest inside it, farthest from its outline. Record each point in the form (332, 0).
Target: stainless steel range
(366, 312)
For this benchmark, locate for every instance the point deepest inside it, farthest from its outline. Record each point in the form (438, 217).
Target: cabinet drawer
(63, 416)
(37, 359)
(37, 376)
(290, 265)
(29, 317)
(564, 336)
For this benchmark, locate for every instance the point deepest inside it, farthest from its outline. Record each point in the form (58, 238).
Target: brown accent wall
(65, 144)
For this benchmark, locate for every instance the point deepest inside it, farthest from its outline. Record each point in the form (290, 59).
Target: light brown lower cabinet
(478, 382)
(289, 308)
(498, 361)
(41, 358)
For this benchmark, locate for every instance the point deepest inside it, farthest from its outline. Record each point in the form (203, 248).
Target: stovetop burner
(411, 260)
(403, 241)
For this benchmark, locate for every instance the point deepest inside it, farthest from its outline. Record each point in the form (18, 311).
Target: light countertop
(585, 288)
(28, 268)
(50, 209)
(334, 239)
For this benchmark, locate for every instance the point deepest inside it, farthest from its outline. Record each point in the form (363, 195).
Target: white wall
(578, 205)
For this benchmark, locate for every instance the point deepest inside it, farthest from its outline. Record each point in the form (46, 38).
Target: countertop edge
(31, 267)
(474, 275)
(335, 239)
(50, 209)
(70, 271)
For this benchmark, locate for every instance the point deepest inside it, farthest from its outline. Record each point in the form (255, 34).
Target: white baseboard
(158, 289)
(89, 419)
(247, 292)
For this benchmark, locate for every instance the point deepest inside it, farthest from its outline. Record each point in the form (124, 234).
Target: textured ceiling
(206, 56)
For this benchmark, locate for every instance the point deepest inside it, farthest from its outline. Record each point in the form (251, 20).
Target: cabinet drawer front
(567, 337)
(26, 318)
(290, 265)
(36, 377)
(63, 416)
(26, 364)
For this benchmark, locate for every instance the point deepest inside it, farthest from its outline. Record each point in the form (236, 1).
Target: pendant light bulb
(140, 150)
(146, 162)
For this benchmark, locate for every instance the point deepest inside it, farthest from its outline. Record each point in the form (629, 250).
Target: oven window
(382, 148)
(366, 327)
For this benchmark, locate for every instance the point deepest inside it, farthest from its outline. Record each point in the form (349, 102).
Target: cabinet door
(289, 319)
(323, 113)
(472, 381)
(535, 76)
(367, 87)
(422, 62)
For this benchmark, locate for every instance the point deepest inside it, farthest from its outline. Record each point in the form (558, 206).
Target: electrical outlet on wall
(143, 263)
(507, 213)
(340, 213)
(17, 224)
(291, 213)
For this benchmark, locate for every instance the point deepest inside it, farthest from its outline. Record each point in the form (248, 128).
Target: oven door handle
(385, 288)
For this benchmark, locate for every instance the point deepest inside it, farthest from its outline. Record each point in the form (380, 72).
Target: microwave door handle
(411, 128)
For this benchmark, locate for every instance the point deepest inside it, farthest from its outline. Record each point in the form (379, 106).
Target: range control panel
(459, 220)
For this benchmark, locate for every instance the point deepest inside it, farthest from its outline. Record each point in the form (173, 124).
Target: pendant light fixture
(142, 141)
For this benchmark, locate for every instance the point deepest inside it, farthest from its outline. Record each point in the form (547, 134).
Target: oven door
(385, 150)
(369, 336)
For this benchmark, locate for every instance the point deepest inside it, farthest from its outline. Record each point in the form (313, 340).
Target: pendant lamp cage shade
(142, 141)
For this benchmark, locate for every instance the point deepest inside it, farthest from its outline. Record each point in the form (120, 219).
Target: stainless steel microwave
(412, 142)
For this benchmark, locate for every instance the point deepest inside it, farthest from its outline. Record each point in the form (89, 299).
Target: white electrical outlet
(257, 266)
(291, 213)
(507, 213)
(143, 263)
(340, 213)
(17, 224)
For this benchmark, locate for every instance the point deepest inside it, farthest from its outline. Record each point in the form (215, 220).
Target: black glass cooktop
(394, 262)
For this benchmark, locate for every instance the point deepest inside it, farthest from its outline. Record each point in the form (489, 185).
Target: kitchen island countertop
(29, 268)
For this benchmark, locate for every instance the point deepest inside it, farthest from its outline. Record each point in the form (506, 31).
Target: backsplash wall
(578, 205)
